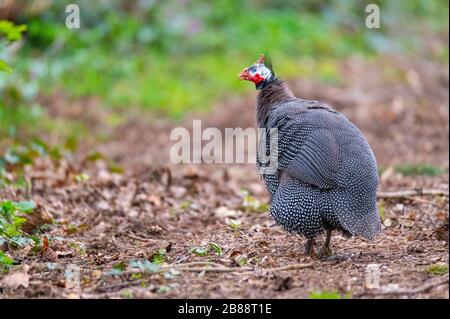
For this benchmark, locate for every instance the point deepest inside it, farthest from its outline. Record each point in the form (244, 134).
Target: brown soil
(115, 218)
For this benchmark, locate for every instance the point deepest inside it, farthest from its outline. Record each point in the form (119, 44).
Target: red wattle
(257, 78)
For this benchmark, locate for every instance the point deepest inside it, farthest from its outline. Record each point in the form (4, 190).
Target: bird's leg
(325, 251)
(309, 248)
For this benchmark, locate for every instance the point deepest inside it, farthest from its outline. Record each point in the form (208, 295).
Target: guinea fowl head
(260, 73)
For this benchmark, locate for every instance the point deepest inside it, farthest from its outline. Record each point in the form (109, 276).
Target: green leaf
(11, 222)
(115, 168)
(120, 266)
(127, 294)
(10, 31)
(71, 143)
(325, 294)
(145, 266)
(7, 208)
(163, 289)
(25, 206)
(136, 276)
(151, 267)
(439, 269)
(381, 210)
(242, 261)
(117, 269)
(217, 249)
(251, 204)
(82, 177)
(158, 258)
(5, 260)
(199, 251)
(235, 224)
(94, 156)
(5, 67)
(418, 169)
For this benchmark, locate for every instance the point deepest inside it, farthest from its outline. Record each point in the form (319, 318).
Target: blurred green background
(176, 56)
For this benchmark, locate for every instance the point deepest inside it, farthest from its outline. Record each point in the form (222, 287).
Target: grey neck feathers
(263, 84)
(274, 93)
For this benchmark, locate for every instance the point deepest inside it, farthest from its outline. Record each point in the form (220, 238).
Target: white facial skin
(258, 72)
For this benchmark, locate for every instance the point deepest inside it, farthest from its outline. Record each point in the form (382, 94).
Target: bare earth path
(157, 210)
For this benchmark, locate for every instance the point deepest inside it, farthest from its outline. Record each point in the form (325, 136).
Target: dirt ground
(156, 209)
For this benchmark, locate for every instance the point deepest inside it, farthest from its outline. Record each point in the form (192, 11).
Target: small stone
(256, 189)
(399, 208)
(102, 205)
(178, 191)
(191, 171)
(372, 276)
(133, 214)
(415, 248)
(224, 212)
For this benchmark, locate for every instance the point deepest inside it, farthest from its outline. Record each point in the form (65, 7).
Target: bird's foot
(324, 252)
(309, 248)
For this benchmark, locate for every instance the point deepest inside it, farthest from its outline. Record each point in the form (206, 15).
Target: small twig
(420, 200)
(415, 192)
(289, 267)
(184, 267)
(221, 269)
(423, 288)
(181, 260)
(132, 236)
(197, 263)
(169, 177)
(218, 270)
(118, 285)
(290, 246)
(28, 188)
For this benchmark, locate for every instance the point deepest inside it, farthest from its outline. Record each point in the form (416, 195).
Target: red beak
(243, 75)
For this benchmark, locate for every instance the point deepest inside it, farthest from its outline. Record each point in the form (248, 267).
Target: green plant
(242, 261)
(326, 294)
(145, 266)
(216, 248)
(126, 294)
(117, 269)
(11, 220)
(5, 262)
(202, 251)
(18, 155)
(159, 257)
(11, 33)
(418, 169)
(163, 289)
(82, 177)
(252, 205)
(437, 269)
(235, 224)
(382, 210)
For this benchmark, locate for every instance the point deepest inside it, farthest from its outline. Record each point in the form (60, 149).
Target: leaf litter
(155, 229)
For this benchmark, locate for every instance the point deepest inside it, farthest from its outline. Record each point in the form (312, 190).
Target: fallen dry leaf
(39, 216)
(50, 255)
(17, 279)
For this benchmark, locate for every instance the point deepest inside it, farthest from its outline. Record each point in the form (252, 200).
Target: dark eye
(252, 68)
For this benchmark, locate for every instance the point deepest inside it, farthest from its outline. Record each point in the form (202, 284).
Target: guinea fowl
(326, 177)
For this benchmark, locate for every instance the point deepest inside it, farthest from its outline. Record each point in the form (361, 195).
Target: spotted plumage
(327, 174)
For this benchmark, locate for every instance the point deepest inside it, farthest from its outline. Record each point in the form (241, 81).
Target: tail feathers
(367, 226)
(361, 220)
